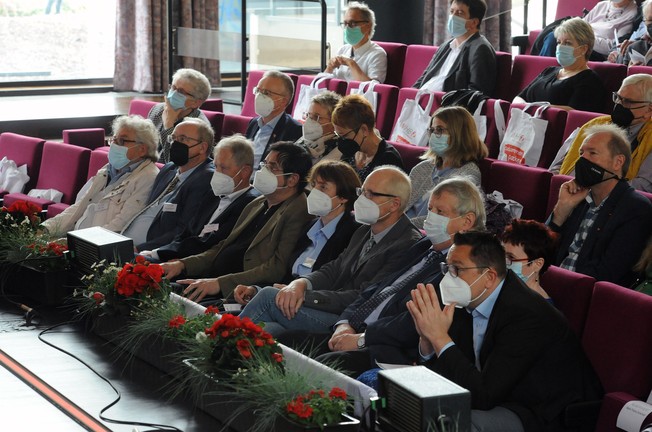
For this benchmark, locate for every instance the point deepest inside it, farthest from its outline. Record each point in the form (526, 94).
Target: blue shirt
(114, 174)
(318, 235)
(262, 137)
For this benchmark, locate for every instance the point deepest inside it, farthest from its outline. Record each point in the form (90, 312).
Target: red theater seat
(395, 61)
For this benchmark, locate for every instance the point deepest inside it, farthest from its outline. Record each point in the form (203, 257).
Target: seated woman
(529, 250)
(361, 145)
(318, 133)
(454, 150)
(573, 85)
(120, 189)
(334, 185)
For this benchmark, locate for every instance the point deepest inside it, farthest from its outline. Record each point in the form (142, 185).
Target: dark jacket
(287, 129)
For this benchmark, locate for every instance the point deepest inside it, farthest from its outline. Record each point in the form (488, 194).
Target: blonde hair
(580, 30)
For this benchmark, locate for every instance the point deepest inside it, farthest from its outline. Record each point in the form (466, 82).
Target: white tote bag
(480, 121)
(306, 93)
(12, 178)
(524, 137)
(366, 89)
(413, 122)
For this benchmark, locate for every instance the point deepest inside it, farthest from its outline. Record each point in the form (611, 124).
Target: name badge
(169, 207)
(209, 228)
(309, 262)
(102, 206)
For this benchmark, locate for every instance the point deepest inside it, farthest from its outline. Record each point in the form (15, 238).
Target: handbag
(413, 122)
(366, 89)
(524, 137)
(12, 177)
(306, 93)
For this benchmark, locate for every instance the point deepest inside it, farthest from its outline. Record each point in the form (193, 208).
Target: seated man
(180, 190)
(189, 89)
(258, 249)
(233, 159)
(640, 41)
(604, 223)
(633, 112)
(273, 94)
(359, 59)
(378, 326)
(501, 341)
(119, 190)
(314, 302)
(468, 61)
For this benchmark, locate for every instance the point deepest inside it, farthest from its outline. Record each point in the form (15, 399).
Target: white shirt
(436, 83)
(371, 59)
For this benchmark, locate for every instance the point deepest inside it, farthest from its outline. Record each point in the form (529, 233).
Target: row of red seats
(614, 325)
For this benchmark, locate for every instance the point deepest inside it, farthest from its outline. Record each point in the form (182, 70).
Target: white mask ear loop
(483, 291)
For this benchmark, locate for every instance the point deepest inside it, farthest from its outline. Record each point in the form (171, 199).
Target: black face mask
(621, 116)
(588, 174)
(348, 146)
(179, 153)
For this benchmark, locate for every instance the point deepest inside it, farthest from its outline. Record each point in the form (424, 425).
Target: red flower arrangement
(138, 278)
(177, 321)
(20, 213)
(315, 408)
(53, 248)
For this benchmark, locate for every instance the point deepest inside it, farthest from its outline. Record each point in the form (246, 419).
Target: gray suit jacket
(474, 68)
(338, 283)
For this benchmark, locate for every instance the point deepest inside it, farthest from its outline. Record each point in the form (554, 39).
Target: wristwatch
(361, 341)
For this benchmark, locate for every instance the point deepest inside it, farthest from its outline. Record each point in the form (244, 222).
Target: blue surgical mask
(118, 156)
(456, 26)
(438, 145)
(353, 36)
(517, 268)
(565, 55)
(176, 100)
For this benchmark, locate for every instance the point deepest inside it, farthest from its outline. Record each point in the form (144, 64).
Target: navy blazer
(474, 68)
(531, 361)
(333, 247)
(287, 129)
(187, 244)
(615, 241)
(188, 198)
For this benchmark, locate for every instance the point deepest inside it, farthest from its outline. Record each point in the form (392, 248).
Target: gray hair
(241, 148)
(328, 100)
(646, 4)
(201, 86)
(618, 143)
(144, 129)
(469, 198)
(398, 184)
(366, 12)
(285, 78)
(205, 130)
(643, 83)
(580, 30)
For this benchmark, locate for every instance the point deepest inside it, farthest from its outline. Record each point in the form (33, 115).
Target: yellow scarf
(644, 147)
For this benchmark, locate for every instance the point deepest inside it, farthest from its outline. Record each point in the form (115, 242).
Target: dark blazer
(531, 361)
(333, 247)
(188, 198)
(616, 239)
(187, 243)
(474, 68)
(287, 129)
(338, 283)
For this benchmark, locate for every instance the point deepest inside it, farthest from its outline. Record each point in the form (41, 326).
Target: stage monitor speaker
(91, 245)
(416, 399)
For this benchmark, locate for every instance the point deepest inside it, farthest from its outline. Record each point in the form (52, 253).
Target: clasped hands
(431, 321)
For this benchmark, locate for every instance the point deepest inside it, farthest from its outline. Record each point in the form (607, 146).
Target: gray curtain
(141, 58)
(497, 29)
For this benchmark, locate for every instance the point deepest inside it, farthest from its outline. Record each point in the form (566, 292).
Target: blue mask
(517, 268)
(118, 156)
(352, 36)
(176, 100)
(438, 145)
(456, 26)
(565, 55)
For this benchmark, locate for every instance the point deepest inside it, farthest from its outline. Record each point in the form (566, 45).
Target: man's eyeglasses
(627, 103)
(182, 91)
(182, 139)
(272, 166)
(266, 92)
(455, 270)
(352, 24)
(370, 194)
(315, 117)
(438, 131)
(122, 141)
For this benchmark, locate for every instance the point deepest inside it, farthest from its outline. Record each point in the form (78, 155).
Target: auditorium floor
(23, 408)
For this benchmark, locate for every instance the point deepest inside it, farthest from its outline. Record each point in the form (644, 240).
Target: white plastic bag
(49, 194)
(12, 178)
(366, 89)
(524, 137)
(413, 122)
(306, 93)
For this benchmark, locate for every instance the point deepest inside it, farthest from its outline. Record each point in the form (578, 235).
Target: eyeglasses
(509, 260)
(338, 136)
(627, 103)
(313, 116)
(352, 24)
(370, 194)
(455, 270)
(272, 166)
(182, 91)
(437, 130)
(266, 92)
(182, 139)
(122, 141)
